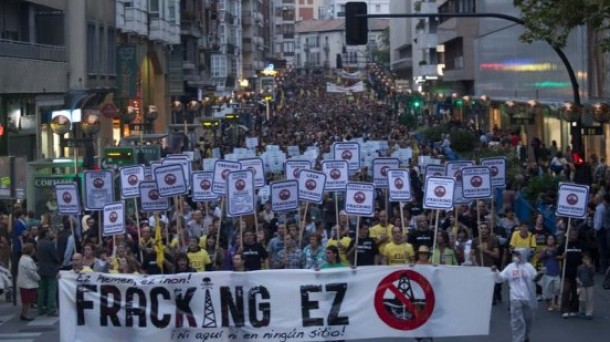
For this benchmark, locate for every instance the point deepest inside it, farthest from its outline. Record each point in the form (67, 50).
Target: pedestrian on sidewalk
(520, 275)
(48, 268)
(27, 280)
(584, 278)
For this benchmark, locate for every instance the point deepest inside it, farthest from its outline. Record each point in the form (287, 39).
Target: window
(172, 12)
(219, 66)
(310, 2)
(111, 49)
(288, 14)
(91, 66)
(153, 6)
(289, 47)
(377, 8)
(101, 51)
(277, 47)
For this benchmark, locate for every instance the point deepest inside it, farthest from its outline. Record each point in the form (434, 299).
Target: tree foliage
(553, 20)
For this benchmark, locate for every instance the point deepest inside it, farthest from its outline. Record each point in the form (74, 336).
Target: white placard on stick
(201, 189)
(434, 170)
(68, 200)
(131, 176)
(311, 186)
(337, 174)
(285, 195)
(170, 180)
(350, 152)
(476, 182)
(293, 167)
(258, 170)
(498, 170)
(360, 199)
(99, 189)
(454, 169)
(150, 199)
(438, 193)
(572, 200)
(241, 197)
(399, 185)
(380, 170)
(114, 219)
(252, 142)
(184, 162)
(221, 170)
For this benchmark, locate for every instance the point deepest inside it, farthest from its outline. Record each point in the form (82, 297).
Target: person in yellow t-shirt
(523, 238)
(342, 242)
(381, 232)
(199, 258)
(398, 252)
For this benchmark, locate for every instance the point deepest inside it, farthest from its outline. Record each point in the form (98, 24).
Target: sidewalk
(42, 328)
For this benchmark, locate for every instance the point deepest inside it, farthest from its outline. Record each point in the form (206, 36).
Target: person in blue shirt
(18, 235)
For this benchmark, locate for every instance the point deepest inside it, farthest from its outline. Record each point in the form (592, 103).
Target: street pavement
(548, 326)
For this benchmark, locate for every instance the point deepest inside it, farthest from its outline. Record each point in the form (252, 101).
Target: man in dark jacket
(48, 267)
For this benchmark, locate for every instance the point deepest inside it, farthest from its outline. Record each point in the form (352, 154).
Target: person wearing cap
(521, 276)
(397, 251)
(423, 256)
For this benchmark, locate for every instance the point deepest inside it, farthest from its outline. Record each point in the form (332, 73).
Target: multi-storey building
(226, 63)
(283, 28)
(253, 45)
(321, 44)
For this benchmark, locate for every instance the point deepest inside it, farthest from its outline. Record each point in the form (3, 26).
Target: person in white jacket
(27, 280)
(520, 275)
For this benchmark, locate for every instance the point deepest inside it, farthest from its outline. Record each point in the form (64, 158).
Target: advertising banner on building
(283, 305)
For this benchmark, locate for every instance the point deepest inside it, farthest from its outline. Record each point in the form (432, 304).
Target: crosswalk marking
(4, 337)
(43, 320)
(5, 318)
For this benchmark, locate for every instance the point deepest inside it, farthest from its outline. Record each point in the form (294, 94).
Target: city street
(547, 327)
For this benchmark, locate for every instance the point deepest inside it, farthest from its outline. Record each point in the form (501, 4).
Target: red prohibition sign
(397, 305)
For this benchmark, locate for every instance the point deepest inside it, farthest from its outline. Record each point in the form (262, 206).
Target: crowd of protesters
(195, 237)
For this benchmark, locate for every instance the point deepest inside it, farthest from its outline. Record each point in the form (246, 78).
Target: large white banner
(68, 200)
(131, 176)
(369, 303)
(337, 174)
(335, 88)
(99, 189)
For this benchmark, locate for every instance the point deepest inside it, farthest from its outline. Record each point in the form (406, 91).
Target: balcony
(428, 70)
(24, 50)
(163, 31)
(246, 18)
(132, 18)
(247, 47)
(188, 65)
(190, 28)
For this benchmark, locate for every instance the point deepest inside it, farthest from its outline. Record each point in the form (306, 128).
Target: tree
(554, 20)
(381, 54)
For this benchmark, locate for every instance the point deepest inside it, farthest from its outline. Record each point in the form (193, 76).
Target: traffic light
(356, 23)
(416, 103)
